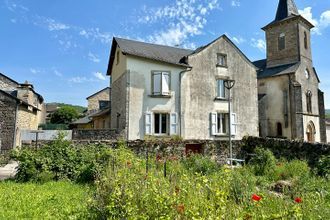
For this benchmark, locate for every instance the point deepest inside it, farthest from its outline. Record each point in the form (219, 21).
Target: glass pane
(218, 124)
(157, 124)
(221, 89)
(224, 124)
(164, 123)
(165, 83)
(156, 83)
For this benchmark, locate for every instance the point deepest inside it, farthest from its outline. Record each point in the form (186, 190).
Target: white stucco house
(166, 91)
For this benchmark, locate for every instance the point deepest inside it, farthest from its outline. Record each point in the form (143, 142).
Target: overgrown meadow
(95, 182)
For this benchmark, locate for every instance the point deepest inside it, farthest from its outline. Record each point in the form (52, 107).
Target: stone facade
(94, 100)
(95, 135)
(8, 111)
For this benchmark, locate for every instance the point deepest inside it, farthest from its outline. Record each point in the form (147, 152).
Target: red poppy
(255, 197)
(158, 157)
(298, 200)
(180, 208)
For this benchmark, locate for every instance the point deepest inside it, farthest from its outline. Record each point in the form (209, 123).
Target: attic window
(118, 58)
(281, 42)
(221, 60)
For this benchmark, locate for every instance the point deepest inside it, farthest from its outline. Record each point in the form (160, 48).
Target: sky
(63, 46)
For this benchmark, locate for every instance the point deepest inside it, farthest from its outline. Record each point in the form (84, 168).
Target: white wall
(328, 133)
(46, 135)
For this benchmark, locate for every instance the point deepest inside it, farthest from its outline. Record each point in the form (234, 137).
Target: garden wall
(95, 134)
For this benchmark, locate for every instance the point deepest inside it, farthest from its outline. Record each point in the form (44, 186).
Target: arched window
(310, 132)
(309, 101)
(279, 129)
(305, 40)
(281, 42)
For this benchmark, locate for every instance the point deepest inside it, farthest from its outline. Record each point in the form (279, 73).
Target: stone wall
(95, 135)
(7, 84)
(93, 101)
(323, 131)
(8, 107)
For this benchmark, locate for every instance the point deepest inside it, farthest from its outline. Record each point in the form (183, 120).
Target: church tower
(288, 36)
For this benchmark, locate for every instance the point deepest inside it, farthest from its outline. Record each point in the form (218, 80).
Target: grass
(53, 200)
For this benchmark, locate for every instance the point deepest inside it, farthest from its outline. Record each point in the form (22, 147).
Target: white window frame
(221, 60)
(160, 123)
(214, 124)
(162, 83)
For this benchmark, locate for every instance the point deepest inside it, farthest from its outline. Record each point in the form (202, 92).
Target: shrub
(323, 166)
(61, 160)
(295, 169)
(200, 164)
(264, 162)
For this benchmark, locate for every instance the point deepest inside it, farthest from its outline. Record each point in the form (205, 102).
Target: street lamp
(229, 84)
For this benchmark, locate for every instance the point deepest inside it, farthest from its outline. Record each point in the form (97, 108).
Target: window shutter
(148, 123)
(233, 121)
(173, 124)
(165, 83)
(213, 121)
(157, 76)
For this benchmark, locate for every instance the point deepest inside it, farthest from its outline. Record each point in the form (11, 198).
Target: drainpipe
(180, 111)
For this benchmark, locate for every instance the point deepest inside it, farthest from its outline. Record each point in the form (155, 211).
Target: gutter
(180, 107)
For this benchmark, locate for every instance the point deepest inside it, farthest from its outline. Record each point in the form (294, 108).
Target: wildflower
(255, 197)
(180, 208)
(129, 164)
(298, 200)
(177, 190)
(158, 158)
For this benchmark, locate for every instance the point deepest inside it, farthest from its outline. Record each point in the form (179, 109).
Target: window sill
(223, 66)
(224, 135)
(220, 99)
(160, 96)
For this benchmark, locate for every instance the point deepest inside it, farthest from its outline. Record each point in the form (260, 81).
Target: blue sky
(63, 46)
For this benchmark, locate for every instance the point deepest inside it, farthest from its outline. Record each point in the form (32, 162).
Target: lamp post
(229, 84)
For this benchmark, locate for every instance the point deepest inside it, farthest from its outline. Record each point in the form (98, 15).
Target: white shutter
(213, 121)
(173, 124)
(148, 123)
(165, 83)
(233, 121)
(157, 76)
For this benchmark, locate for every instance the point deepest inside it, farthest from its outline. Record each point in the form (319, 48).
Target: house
(21, 109)
(166, 91)
(291, 105)
(50, 109)
(98, 112)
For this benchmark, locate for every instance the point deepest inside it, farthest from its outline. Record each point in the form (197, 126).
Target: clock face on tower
(307, 74)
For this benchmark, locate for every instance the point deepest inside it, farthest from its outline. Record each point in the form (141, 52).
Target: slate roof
(265, 72)
(286, 8)
(98, 92)
(171, 55)
(84, 120)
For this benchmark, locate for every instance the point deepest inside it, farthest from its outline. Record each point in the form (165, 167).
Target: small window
(118, 58)
(222, 60)
(307, 74)
(161, 83)
(104, 104)
(281, 42)
(279, 129)
(221, 89)
(161, 123)
(305, 40)
(309, 101)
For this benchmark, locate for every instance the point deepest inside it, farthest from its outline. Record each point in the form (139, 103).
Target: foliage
(200, 164)
(54, 200)
(64, 115)
(323, 166)
(60, 160)
(78, 108)
(327, 113)
(263, 162)
(4, 159)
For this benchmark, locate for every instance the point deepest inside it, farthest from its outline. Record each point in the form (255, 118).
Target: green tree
(64, 115)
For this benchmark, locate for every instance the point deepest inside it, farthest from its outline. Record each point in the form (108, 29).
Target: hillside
(327, 113)
(80, 109)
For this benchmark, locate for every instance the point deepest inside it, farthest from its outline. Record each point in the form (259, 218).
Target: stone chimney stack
(25, 93)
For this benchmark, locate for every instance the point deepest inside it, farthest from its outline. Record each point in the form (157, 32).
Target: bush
(200, 164)
(61, 160)
(295, 169)
(264, 162)
(323, 166)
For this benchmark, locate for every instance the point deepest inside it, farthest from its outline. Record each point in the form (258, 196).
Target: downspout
(180, 107)
(128, 86)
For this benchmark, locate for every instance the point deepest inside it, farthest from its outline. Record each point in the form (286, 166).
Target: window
(309, 101)
(305, 40)
(161, 123)
(222, 60)
(307, 74)
(221, 89)
(161, 83)
(103, 104)
(279, 130)
(118, 58)
(220, 122)
(281, 42)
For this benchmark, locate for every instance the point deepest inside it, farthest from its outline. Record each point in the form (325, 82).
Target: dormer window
(221, 60)
(281, 42)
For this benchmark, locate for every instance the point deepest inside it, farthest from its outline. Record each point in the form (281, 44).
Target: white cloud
(79, 79)
(92, 57)
(238, 40)
(100, 76)
(235, 3)
(320, 24)
(259, 43)
(57, 73)
(182, 19)
(96, 34)
(34, 71)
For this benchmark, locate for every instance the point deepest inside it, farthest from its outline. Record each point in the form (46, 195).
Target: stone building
(165, 91)
(21, 109)
(291, 105)
(99, 100)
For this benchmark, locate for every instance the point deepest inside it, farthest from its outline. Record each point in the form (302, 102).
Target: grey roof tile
(265, 72)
